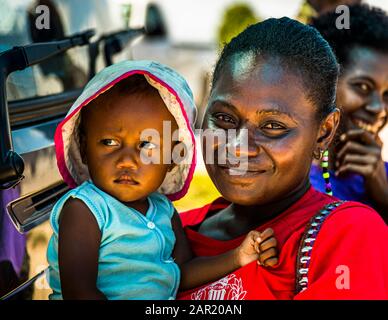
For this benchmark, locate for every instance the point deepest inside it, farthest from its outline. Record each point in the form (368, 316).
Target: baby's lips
(125, 178)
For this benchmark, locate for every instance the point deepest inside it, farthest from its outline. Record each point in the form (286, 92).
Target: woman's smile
(242, 171)
(371, 127)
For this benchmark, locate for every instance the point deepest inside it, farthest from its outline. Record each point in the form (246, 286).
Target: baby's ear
(327, 129)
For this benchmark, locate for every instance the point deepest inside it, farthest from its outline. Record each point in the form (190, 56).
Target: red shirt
(349, 259)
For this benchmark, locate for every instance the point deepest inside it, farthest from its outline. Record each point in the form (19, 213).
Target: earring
(325, 172)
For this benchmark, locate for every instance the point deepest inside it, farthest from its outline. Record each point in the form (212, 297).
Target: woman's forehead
(367, 61)
(265, 80)
(245, 71)
(267, 86)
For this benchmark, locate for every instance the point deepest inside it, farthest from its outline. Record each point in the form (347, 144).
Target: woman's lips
(369, 127)
(241, 171)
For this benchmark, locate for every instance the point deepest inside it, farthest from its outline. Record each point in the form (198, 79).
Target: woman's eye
(224, 118)
(273, 126)
(385, 96)
(363, 87)
(273, 129)
(147, 145)
(110, 142)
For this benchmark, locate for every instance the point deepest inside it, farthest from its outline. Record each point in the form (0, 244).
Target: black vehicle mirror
(31, 210)
(113, 43)
(15, 59)
(154, 22)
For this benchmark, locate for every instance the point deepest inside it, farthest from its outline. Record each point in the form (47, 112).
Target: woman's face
(281, 130)
(363, 90)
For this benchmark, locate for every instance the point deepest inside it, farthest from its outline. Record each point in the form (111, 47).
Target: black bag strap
(306, 245)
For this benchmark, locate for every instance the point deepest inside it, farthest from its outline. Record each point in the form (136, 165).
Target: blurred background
(187, 35)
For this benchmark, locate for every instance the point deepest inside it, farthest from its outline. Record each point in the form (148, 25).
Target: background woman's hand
(360, 153)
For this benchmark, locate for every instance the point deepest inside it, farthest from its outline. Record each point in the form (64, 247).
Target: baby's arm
(78, 248)
(200, 270)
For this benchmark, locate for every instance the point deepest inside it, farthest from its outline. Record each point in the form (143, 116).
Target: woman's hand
(361, 153)
(258, 246)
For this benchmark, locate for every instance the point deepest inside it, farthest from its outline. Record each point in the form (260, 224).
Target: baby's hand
(258, 246)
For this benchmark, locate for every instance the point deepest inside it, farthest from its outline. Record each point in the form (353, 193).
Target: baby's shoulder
(88, 193)
(85, 197)
(162, 203)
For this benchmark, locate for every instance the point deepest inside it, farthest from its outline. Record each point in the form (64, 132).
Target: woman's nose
(248, 151)
(376, 105)
(243, 145)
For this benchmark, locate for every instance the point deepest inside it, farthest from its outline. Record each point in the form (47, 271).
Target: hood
(178, 99)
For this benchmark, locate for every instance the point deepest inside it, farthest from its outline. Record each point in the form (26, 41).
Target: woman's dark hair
(368, 28)
(299, 47)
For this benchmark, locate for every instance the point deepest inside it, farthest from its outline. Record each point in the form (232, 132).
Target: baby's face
(115, 145)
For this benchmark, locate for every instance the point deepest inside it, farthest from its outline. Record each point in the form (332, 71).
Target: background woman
(362, 95)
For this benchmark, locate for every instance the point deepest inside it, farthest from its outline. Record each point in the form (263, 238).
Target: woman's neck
(258, 214)
(237, 220)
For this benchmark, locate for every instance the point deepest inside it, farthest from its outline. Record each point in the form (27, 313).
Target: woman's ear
(327, 130)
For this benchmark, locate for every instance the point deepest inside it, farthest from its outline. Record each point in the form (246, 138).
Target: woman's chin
(245, 197)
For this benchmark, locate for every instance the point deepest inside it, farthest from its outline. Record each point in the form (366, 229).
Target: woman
(274, 84)
(358, 171)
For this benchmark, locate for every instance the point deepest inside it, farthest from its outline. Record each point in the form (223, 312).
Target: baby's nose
(127, 160)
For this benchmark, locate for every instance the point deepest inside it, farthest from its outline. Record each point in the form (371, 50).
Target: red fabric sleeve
(350, 257)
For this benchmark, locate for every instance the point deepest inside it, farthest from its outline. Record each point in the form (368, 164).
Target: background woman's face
(363, 90)
(270, 102)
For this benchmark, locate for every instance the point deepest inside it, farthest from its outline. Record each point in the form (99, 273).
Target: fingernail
(258, 239)
(343, 137)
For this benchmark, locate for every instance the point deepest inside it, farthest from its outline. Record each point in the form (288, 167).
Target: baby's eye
(147, 145)
(110, 142)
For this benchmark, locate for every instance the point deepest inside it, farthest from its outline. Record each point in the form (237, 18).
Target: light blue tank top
(135, 259)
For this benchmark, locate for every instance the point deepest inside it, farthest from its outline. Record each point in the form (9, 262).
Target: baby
(116, 233)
